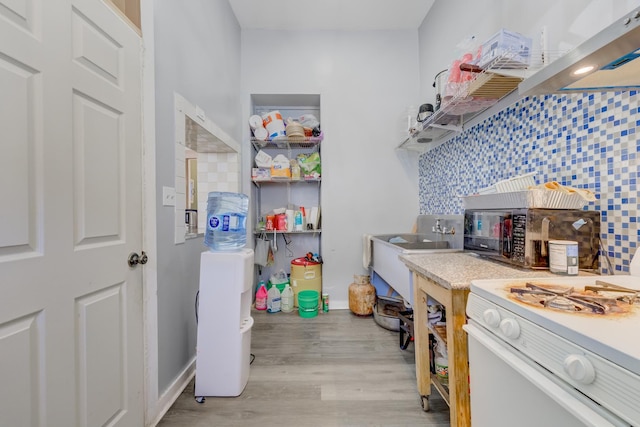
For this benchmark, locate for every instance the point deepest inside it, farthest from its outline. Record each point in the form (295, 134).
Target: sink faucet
(442, 230)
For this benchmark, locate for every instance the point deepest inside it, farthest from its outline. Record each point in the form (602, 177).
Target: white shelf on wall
(486, 90)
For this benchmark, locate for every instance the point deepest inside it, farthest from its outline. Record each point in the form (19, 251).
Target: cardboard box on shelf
(261, 174)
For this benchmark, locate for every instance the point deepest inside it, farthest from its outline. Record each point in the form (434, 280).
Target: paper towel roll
(255, 122)
(366, 250)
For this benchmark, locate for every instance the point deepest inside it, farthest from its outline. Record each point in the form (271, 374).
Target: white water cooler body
(224, 323)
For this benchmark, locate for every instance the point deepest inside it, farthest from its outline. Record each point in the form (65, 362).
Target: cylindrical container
(441, 364)
(286, 299)
(325, 303)
(281, 222)
(297, 224)
(274, 300)
(426, 111)
(226, 221)
(439, 83)
(261, 296)
(290, 215)
(305, 275)
(256, 122)
(308, 303)
(362, 296)
(191, 220)
(271, 223)
(563, 257)
(274, 124)
(295, 170)
(261, 134)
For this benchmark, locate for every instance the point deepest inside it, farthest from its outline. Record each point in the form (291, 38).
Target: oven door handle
(566, 396)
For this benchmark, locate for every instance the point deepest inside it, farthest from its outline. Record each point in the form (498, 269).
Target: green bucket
(280, 286)
(308, 303)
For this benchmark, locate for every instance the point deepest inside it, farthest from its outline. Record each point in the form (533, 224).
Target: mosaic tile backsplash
(582, 140)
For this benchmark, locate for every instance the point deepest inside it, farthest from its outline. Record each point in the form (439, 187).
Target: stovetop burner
(602, 298)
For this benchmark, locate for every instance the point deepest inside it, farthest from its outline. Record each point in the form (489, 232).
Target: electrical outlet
(168, 196)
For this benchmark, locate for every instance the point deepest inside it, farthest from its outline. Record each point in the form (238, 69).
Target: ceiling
(331, 14)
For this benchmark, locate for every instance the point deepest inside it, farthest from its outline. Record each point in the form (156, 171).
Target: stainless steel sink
(412, 242)
(387, 248)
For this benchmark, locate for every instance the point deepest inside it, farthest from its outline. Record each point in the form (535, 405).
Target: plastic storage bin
(506, 49)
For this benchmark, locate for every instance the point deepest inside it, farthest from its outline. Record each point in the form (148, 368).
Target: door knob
(135, 259)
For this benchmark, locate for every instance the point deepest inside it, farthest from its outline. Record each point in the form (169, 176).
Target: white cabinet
(224, 323)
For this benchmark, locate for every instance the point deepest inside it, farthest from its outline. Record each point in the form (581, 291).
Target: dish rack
(534, 198)
(515, 183)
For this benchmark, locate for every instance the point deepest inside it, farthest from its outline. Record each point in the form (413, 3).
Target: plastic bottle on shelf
(441, 362)
(226, 221)
(286, 299)
(295, 170)
(297, 224)
(274, 300)
(261, 296)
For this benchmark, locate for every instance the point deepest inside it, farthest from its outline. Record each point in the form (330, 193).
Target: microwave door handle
(545, 236)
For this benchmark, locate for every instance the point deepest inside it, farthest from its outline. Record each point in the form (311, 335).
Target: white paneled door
(71, 344)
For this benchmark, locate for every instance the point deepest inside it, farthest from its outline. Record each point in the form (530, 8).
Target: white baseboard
(171, 394)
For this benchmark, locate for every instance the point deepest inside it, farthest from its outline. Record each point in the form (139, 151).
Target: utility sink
(387, 248)
(412, 242)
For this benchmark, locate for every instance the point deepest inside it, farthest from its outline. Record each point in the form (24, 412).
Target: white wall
(366, 80)
(197, 55)
(567, 23)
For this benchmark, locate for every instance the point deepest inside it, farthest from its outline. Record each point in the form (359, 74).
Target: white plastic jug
(273, 300)
(286, 299)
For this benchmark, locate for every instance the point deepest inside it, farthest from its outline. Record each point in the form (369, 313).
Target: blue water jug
(226, 221)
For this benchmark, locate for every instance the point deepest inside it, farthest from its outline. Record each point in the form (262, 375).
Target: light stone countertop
(456, 270)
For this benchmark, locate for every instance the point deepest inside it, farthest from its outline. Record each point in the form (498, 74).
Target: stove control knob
(510, 328)
(491, 317)
(579, 368)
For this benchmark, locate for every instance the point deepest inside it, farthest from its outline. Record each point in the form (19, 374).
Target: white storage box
(507, 49)
(516, 183)
(534, 198)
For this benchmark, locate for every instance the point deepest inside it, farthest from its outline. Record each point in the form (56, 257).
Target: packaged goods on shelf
(261, 174)
(280, 167)
(263, 160)
(509, 49)
(310, 165)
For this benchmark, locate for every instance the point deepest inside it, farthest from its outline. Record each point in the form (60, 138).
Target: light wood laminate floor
(336, 369)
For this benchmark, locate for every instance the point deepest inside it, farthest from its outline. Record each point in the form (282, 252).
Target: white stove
(582, 367)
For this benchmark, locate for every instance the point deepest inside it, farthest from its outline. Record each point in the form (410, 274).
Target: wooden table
(446, 278)
(454, 302)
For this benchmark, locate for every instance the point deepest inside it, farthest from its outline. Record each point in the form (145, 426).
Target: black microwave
(521, 236)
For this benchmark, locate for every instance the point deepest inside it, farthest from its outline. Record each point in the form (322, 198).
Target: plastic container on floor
(261, 296)
(305, 275)
(273, 300)
(441, 363)
(308, 303)
(226, 221)
(286, 299)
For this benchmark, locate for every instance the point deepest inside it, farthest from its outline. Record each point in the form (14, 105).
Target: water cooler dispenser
(224, 323)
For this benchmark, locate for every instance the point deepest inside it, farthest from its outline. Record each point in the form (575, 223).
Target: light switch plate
(168, 196)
